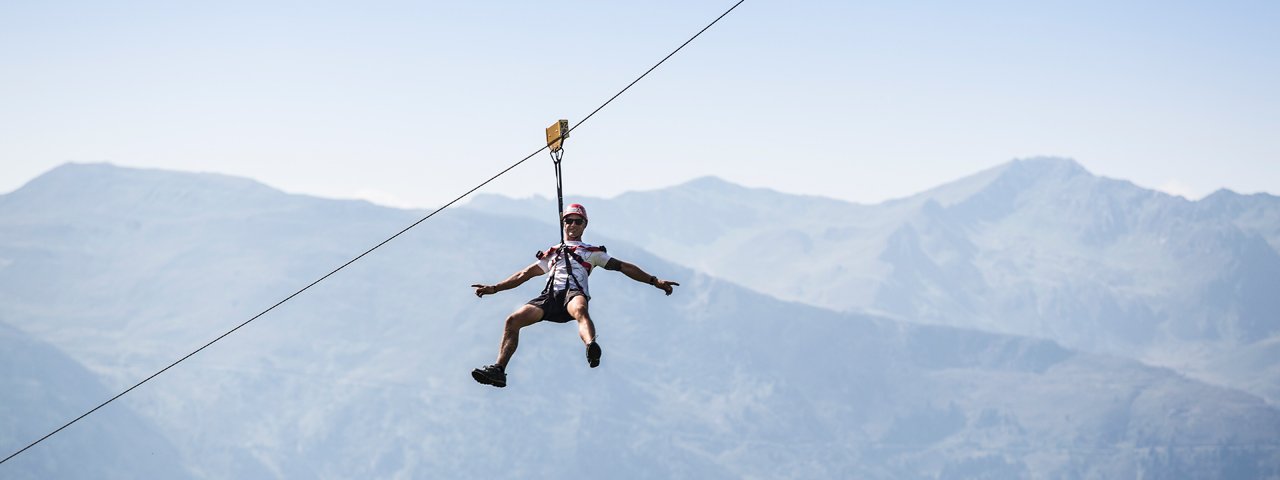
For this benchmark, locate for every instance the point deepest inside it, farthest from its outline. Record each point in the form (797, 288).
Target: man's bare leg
(522, 317)
(578, 310)
(586, 328)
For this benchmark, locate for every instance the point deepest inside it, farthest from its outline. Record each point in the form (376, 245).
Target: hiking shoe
(490, 375)
(593, 354)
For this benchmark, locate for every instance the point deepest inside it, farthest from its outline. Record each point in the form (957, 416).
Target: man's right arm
(515, 280)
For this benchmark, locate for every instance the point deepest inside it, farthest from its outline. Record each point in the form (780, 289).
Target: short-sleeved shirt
(585, 258)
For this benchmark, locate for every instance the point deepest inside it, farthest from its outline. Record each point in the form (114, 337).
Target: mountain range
(1037, 247)
(109, 274)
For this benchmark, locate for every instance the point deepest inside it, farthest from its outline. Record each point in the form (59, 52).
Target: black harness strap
(563, 252)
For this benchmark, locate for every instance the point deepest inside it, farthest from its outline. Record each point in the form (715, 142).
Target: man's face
(574, 225)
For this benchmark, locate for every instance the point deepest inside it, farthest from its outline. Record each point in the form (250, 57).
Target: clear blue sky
(411, 103)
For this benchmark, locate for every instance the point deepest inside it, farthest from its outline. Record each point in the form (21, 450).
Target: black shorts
(555, 305)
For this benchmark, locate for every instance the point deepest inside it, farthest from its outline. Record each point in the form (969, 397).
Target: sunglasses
(574, 221)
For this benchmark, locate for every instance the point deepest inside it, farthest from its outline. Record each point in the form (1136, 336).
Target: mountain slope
(365, 375)
(1258, 213)
(40, 390)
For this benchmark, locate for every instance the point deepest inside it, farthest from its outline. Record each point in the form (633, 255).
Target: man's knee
(578, 308)
(525, 316)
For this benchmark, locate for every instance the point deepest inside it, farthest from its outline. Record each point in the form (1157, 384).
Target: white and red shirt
(585, 258)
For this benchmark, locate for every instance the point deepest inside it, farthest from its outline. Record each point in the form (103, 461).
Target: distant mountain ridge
(1035, 247)
(1256, 213)
(365, 375)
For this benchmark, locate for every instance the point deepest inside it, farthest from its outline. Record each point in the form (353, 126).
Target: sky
(412, 103)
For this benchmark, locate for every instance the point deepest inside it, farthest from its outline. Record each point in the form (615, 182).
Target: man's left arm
(639, 275)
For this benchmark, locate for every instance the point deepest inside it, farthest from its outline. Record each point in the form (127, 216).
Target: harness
(568, 254)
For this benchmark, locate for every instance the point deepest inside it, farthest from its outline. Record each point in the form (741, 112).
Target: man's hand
(482, 290)
(665, 285)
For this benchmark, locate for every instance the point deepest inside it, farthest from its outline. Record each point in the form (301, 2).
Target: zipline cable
(379, 245)
(654, 67)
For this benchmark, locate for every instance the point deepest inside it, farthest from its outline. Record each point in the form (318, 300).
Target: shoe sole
(484, 379)
(593, 355)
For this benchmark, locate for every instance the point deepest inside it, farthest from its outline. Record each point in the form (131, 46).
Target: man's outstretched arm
(639, 275)
(515, 280)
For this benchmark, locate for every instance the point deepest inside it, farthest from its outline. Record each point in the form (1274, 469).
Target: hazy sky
(412, 103)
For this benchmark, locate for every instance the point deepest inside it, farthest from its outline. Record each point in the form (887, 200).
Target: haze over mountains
(366, 375)
(1036, 247)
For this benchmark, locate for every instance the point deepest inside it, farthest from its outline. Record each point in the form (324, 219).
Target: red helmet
(575, 209)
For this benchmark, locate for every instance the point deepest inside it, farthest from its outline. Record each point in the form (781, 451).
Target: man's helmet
(575, 209)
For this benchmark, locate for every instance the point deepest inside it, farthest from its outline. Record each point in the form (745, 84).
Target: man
(565, 297)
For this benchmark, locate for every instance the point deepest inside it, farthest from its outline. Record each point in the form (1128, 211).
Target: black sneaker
(490, 375)
(593, 354)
